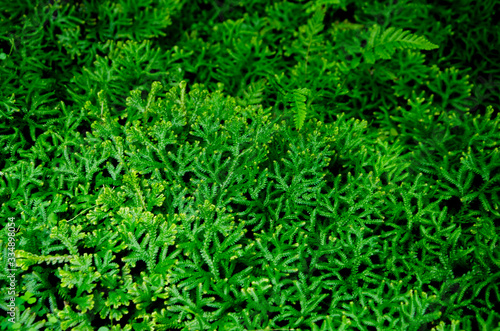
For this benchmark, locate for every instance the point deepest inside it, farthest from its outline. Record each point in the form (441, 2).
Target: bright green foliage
(383, 46)
(249, 165)
(231, 223)
(298, 105)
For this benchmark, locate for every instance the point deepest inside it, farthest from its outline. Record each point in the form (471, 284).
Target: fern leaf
(315, 26)
(383, 46)
(298, 103)
(253, 94)
(26, 259)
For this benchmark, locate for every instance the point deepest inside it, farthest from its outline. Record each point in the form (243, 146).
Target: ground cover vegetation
(250, 165)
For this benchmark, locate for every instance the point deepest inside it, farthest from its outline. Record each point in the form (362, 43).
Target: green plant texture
(249, 165)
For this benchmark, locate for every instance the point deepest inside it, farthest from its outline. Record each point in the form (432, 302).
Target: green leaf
(383, 46)
(298, 103)
(28, 298)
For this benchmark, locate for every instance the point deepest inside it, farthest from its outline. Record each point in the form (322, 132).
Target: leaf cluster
(248, 166)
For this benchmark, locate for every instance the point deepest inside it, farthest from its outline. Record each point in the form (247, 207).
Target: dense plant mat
(249, 165)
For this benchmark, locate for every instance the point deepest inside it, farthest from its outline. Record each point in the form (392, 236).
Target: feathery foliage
(307, 165)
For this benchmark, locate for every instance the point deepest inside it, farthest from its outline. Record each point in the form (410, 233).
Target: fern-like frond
(383, 46)
(253, 94)
(298, 103)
